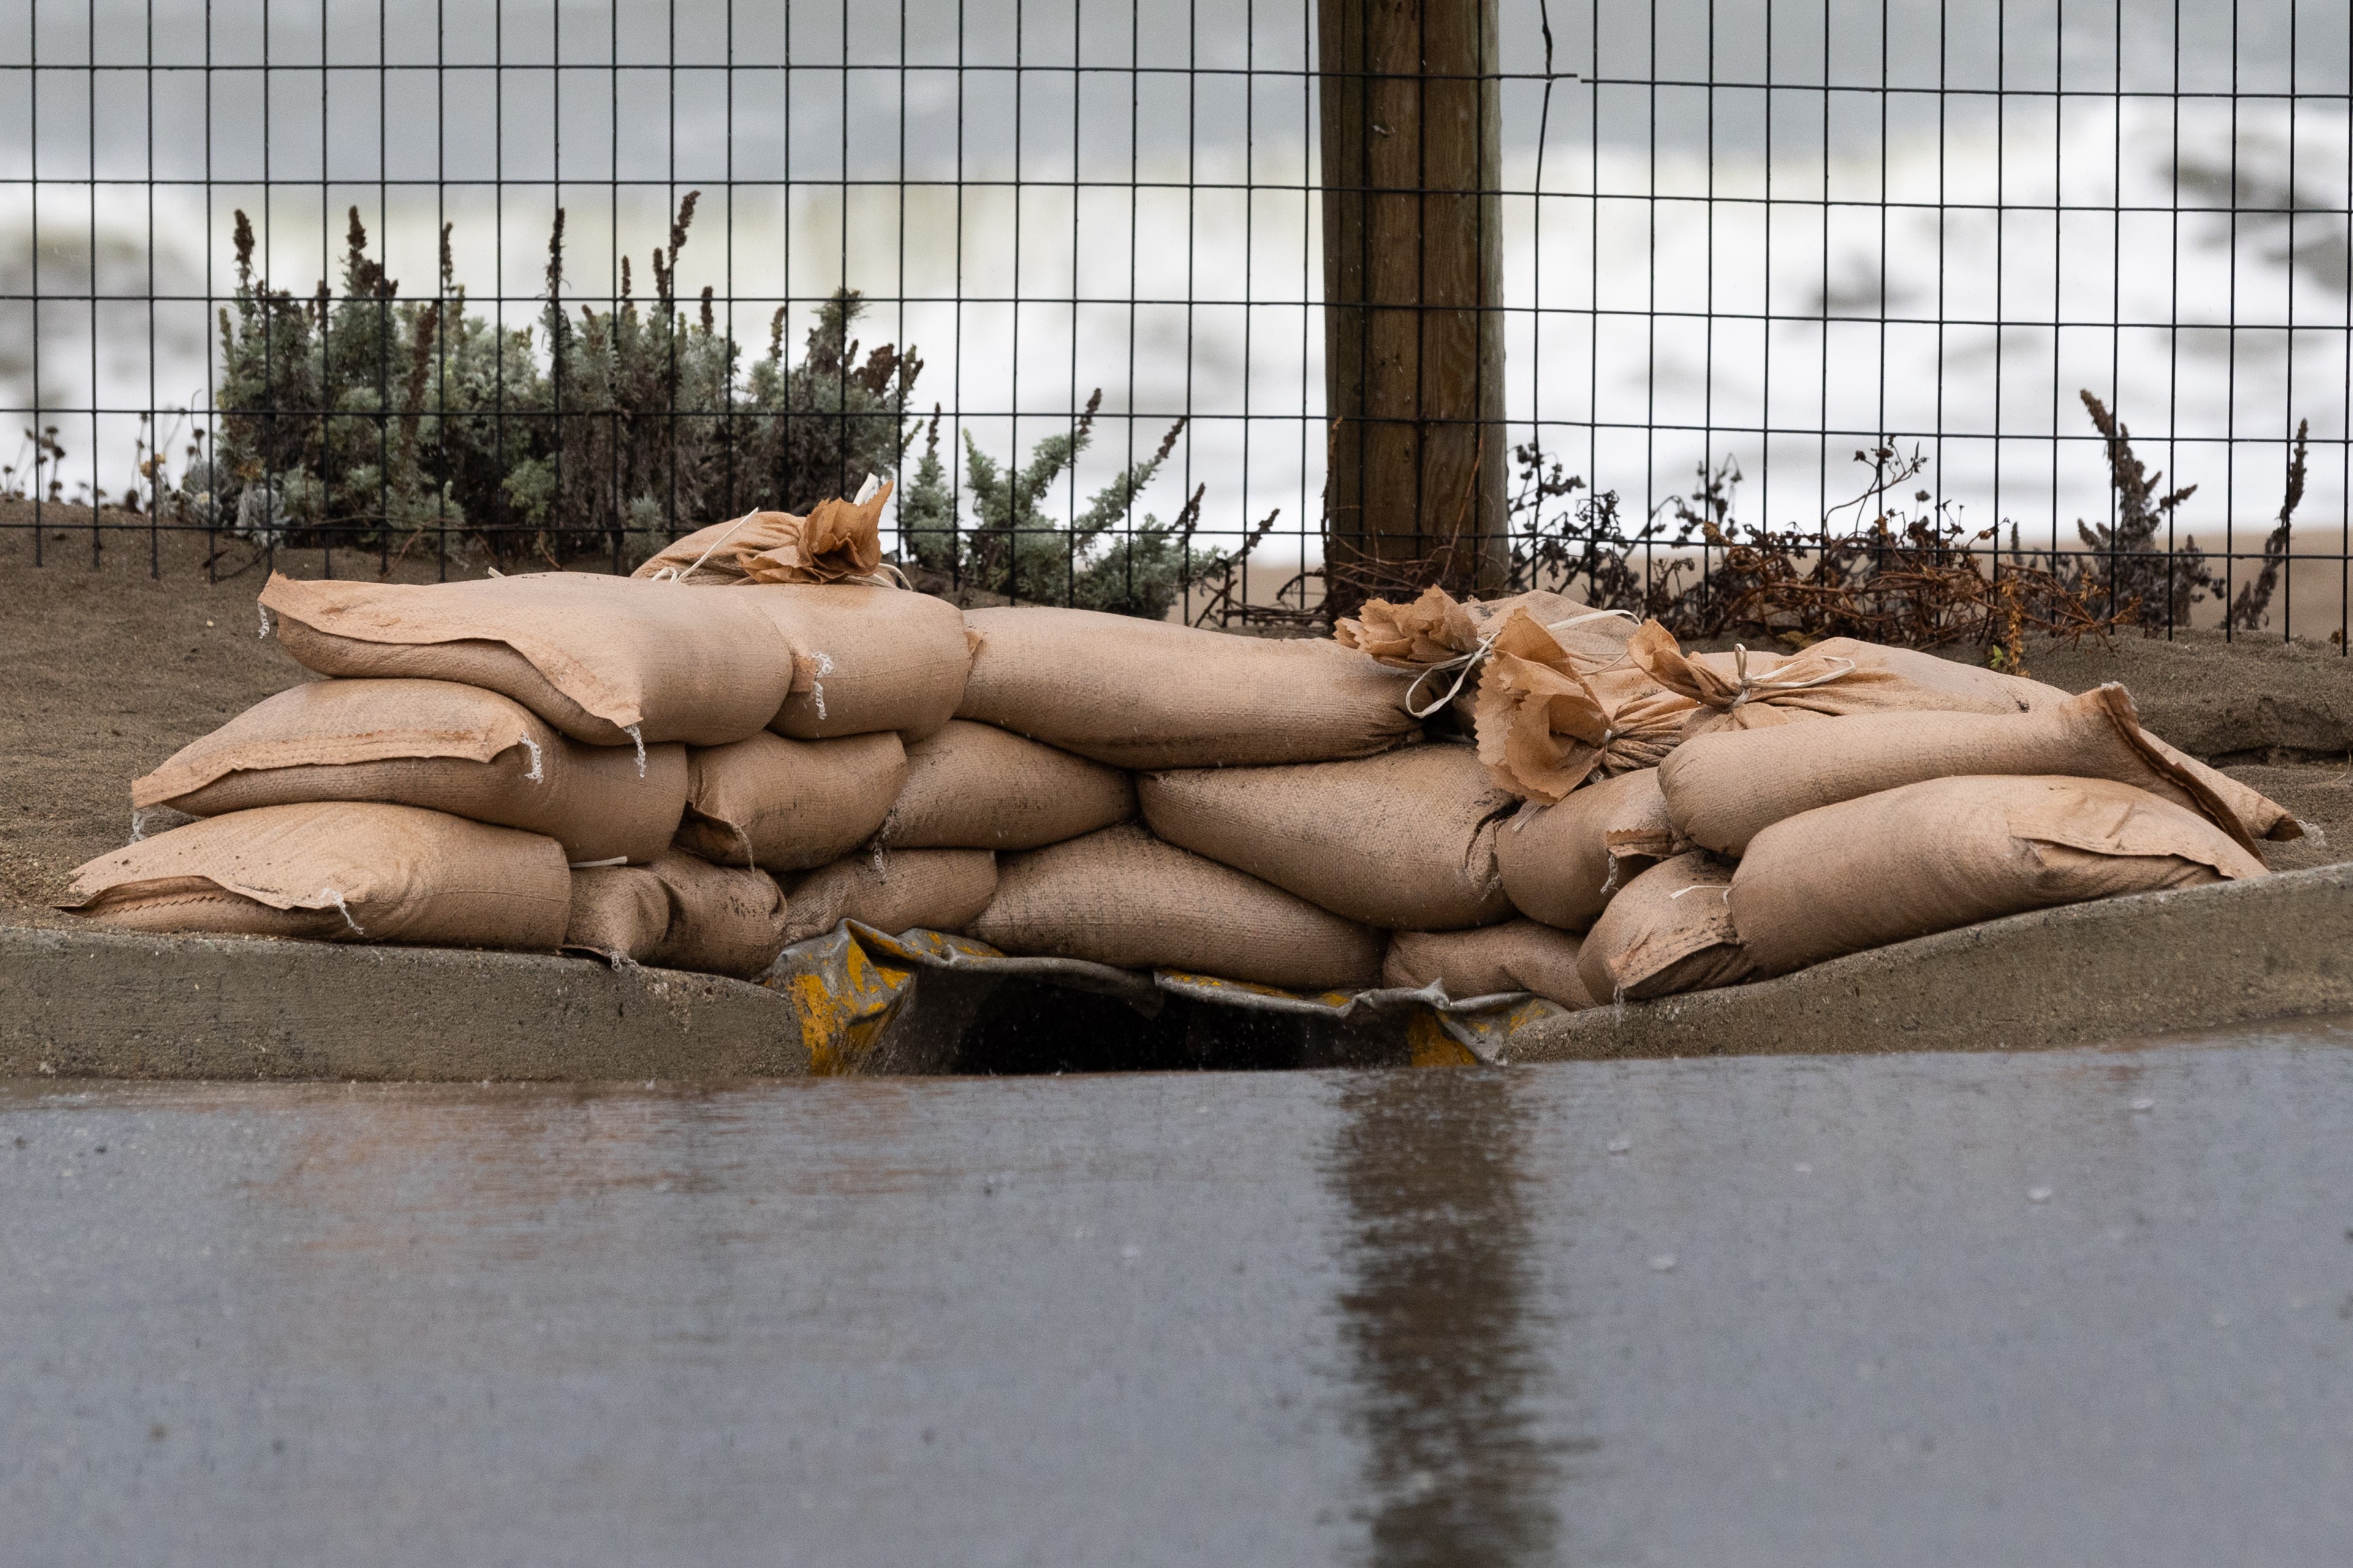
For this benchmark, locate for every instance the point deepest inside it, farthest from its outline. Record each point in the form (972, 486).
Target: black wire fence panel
(496, 282)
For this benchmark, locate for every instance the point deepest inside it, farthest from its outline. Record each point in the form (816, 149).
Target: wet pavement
(2089, 1308)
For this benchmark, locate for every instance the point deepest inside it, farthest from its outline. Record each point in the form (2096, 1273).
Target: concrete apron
(101, 1004)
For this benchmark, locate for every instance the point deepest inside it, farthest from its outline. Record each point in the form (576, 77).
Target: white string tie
(336, 899)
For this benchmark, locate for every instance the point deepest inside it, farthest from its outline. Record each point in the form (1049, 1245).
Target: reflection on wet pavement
(1438, 1318)
(2087, 1306)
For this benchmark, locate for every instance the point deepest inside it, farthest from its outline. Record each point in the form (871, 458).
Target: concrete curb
(2085, 974)
(99, 1004)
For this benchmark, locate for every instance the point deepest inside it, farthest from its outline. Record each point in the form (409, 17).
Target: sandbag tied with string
(1543, 729)
(867, 656)
(1445, 641)
(837, 541)
(1744, 689)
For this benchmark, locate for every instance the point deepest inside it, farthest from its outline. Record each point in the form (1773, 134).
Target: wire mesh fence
(1785, 292)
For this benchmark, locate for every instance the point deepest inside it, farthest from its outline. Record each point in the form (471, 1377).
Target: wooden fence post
(1413, 276)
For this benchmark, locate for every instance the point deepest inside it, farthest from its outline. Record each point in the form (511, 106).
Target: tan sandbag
(837, 541)
(621, 911)
(1560, 864)
(1954, 851)
(1832, 679)
(1543, 728)
(786, 805)
(1121, 896)
(1402, 840)
(1667, 931)
(430, 744)
(1518, 955)
(722, 921)
(1149, 694)
(607, 660)
(338, 871)
(899, 890)
(865, 658)
(1444, 641)
(1724, 788)
(2259, 817)
(975, 786)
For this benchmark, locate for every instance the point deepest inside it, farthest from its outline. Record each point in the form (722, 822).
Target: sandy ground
(114, 667)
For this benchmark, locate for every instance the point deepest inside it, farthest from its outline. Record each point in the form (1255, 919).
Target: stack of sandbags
(1697, 821)
(1231, 739)
(669, 753)
(1297, 831)
(696, 779)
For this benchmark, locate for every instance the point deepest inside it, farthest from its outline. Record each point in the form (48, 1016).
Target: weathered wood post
(1413, 289)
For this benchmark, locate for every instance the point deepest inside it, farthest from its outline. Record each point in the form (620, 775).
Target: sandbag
(975, 786)
(680, 913)
(430, 744)
(1723, 789)
(1667, 931)
(787, 805)
(902, 890)
(1954, 851)
(1835, 678)
(1402, 840)
(722, 921)
(1444, 642)
(607, 660)
(1518, 955)
(337, 871)
(866, 659)
(1561, 863)
(1545, 726)
(2259, 817)
(837, 541)
(620, 912)
(1149, 694)
(1121, 896)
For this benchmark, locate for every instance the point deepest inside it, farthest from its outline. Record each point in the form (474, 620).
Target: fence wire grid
(405, 283)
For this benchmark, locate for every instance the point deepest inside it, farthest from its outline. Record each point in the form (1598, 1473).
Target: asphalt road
(2090, 1307)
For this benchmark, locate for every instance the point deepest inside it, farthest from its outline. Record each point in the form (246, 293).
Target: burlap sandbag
(432, 743)
(680, 913)
(837, 541)
(866, 660)
(1544, 726)
(1148, 694)
(607, 660)
(2259, 816)
(975, 786)
(901, 891)
(1124, 898)
(1832, 679)
(1518, 955)
(621, 911)
(722, 921)
(1668, 931)
(787, 805)
(1445, 642)
(1724, 788)
(339, 871)
(1954, 851)
(1560, 864)
(1405, 840)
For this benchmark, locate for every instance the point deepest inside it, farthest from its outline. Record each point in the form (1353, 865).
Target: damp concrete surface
(2087, 1306)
